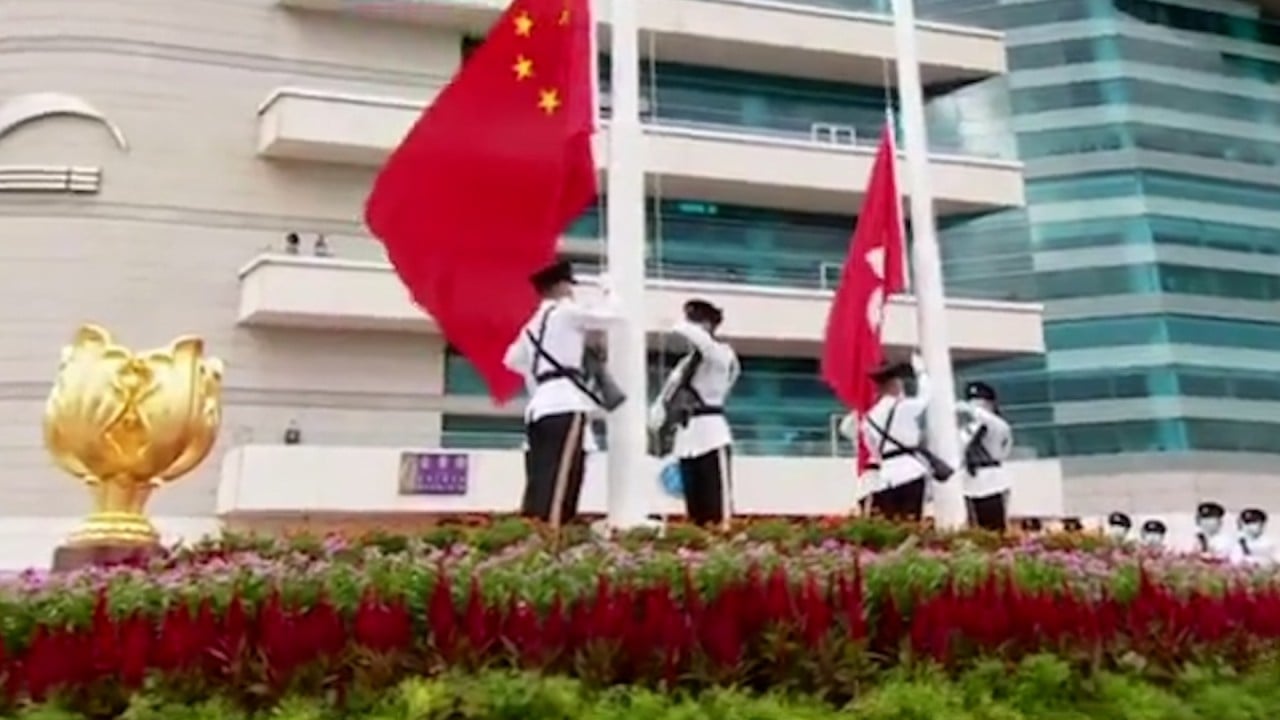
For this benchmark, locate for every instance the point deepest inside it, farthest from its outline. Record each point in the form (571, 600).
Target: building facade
(1149, 136)
(154, 156)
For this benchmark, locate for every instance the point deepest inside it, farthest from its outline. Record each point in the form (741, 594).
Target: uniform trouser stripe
(572, 441)
(726, 486)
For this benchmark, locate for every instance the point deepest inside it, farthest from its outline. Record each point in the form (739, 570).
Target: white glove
(917, 363)
(657, 416)
(849, 426)
(605, 283)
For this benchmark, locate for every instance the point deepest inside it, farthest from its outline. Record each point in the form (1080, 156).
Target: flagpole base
(610, 528)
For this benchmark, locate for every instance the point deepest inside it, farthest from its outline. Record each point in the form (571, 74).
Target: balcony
(845, 40)
(823, 172)
(301, 292)
(279, 482)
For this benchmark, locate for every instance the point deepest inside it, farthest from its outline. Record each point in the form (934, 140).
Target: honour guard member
(893, 432)
(987, 441)
(1251, 547)
(550, 350)
(691, 405)
(1211, 538)
(1153, 535)
(1118, 526)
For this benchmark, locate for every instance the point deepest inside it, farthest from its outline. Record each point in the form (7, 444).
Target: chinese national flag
(476, 196)
(874, 269)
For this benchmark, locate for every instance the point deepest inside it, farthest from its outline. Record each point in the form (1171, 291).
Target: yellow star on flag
(549, 100)
(523, 68)
(564, 16)
(524, 24)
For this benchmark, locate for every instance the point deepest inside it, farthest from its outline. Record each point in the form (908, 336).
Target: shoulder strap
(1244, 546)
(976, 450)
(540, 352)
(1204, 542)
(885, 437)
(686, 378)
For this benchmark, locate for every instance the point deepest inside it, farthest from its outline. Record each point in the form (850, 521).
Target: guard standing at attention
(1211, 537)
(1252, 548)
(1153, 534)
(550, 350)
(987, 440)
(1118, 526)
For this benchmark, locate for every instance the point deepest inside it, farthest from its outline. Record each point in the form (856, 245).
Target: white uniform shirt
(1253, 551)
(1221, 544)
(713, 380)
(564, 339)
(902, 418)
(589, 441)
(997, 441)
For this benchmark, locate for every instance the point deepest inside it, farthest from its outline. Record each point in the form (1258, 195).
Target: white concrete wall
(280, 480)
(155, 254)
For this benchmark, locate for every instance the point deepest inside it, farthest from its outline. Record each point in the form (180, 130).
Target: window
(1110, 185)
(1189, 57)
(1146, 93)
(1159, 329)
(1107, 332)
(1162, 230)
(478, 431)
(983, 255)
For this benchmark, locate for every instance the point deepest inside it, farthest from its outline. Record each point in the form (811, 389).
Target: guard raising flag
(550, 350)
(988, 440)
(893, 432)
(691, 405)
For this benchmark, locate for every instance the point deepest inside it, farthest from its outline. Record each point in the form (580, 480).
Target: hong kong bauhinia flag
(477, 195)
(874, 269)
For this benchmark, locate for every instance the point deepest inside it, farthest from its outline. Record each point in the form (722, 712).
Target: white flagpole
(629, 469)
(944, 440)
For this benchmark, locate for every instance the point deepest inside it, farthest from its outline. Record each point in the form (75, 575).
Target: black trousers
(708, 483)
(903, 502)
(990, 512)
(553, 468)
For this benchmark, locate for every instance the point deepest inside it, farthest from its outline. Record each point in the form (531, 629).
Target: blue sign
(434, 473)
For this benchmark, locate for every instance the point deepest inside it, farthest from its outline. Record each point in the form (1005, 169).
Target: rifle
(679, 401)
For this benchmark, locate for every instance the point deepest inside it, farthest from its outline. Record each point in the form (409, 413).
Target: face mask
(1117, 532)
(1252, 531)
(1210, 526)
(1152, 539)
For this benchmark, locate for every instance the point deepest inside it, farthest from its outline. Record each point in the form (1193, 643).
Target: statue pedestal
(76, 557)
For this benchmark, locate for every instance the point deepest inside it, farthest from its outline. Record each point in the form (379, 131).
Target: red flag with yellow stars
(476, 196)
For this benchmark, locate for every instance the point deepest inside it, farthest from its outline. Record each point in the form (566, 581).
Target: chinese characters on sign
(434, 473)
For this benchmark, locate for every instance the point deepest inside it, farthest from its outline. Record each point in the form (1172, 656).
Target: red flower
(480, 633)
(816, 612)
(137, 636)
(382, 625)
(442, 616)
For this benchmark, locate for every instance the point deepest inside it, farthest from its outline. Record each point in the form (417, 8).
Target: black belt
(984, 464)
(566, 374)
(896, 454)
(704, 410)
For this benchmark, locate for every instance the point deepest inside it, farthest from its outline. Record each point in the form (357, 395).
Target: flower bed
(795, 607)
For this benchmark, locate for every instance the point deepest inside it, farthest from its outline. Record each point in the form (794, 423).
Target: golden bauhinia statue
(126, 423)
